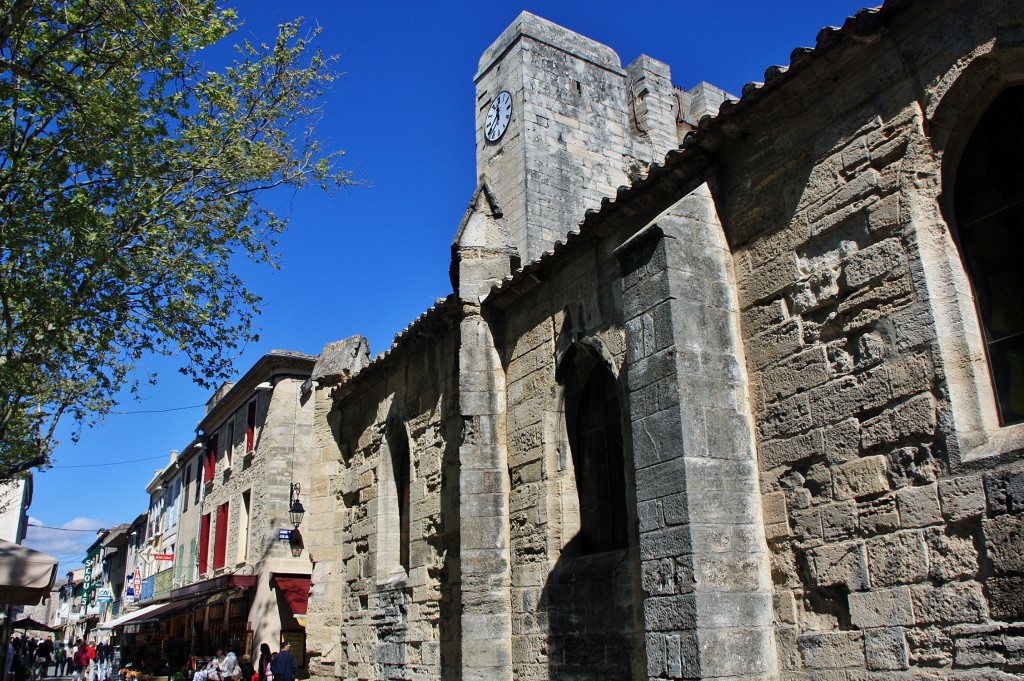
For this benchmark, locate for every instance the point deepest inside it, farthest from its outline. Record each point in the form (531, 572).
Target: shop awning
(132, 616)
(167, 610)
(26, 575)
(295, 589)
(209, 587)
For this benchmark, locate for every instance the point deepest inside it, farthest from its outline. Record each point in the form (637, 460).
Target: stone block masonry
(725, 612)
(901, 562)
(738, 423)
(375, 617)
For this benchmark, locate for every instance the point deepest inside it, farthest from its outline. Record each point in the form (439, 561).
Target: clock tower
(560, 125)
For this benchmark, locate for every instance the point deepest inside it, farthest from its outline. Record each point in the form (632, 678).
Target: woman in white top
(229, 668)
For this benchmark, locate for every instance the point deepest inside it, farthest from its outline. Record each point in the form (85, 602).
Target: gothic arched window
(596, 441)
(988, 206)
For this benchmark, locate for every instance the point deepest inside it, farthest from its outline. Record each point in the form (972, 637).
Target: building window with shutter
(220, 542)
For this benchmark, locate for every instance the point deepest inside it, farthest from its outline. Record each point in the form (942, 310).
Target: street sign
(104, 596)
(164, 556)
(284, 534)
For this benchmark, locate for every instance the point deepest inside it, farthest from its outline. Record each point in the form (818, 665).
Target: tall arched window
(393, 502)
(398, 442)
(988, 206)
(596, 442)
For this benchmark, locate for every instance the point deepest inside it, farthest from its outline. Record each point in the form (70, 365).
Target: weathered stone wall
(704, 559)
(279, 457)
(690, 595)
(581, 127)
(817, 483)
(572, 616)
(891, 505)
(370, 618)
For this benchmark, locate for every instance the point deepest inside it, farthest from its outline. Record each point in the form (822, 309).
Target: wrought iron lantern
(295, 509)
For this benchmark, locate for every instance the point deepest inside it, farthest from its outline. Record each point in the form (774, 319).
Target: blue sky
(370, 259)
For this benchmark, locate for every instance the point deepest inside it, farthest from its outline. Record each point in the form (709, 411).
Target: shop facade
(218, 561)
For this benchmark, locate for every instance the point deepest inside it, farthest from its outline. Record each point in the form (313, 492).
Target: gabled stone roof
(441, 315)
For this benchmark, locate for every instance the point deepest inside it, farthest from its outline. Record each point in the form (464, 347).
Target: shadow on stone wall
(588, 603)
(446, 542)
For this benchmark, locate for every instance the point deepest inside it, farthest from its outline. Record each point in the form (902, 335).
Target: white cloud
(67, 543)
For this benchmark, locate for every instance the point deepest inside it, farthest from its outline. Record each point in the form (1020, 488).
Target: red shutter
(204, 542)
(210, 462)
(220, 543)
(250, 427)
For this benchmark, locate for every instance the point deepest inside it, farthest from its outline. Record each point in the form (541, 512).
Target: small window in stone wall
(398, 443)
(596, 442)
(988, 203)
(210, 460)
(250, 427)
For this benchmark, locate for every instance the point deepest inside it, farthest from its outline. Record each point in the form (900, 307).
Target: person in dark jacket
(285, 665)
(247, 669)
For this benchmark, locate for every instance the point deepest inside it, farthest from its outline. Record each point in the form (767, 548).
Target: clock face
(498, 117)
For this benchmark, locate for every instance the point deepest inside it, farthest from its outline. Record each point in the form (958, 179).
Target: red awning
(295, 589)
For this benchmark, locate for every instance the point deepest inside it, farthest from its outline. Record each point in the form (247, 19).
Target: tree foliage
(129, 178)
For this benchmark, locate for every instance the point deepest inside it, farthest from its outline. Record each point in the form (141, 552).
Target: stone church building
(729, 387)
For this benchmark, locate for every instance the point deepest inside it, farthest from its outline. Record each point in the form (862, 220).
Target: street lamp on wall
(295, 513)
(295, 509)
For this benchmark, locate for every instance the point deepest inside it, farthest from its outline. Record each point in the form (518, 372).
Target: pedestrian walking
(41, 660)
(80, 663)
(60, 659)
(19, 660)
(90, 651)
(285, 665)
(101, 661)
(9, 659)
(50, 648)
